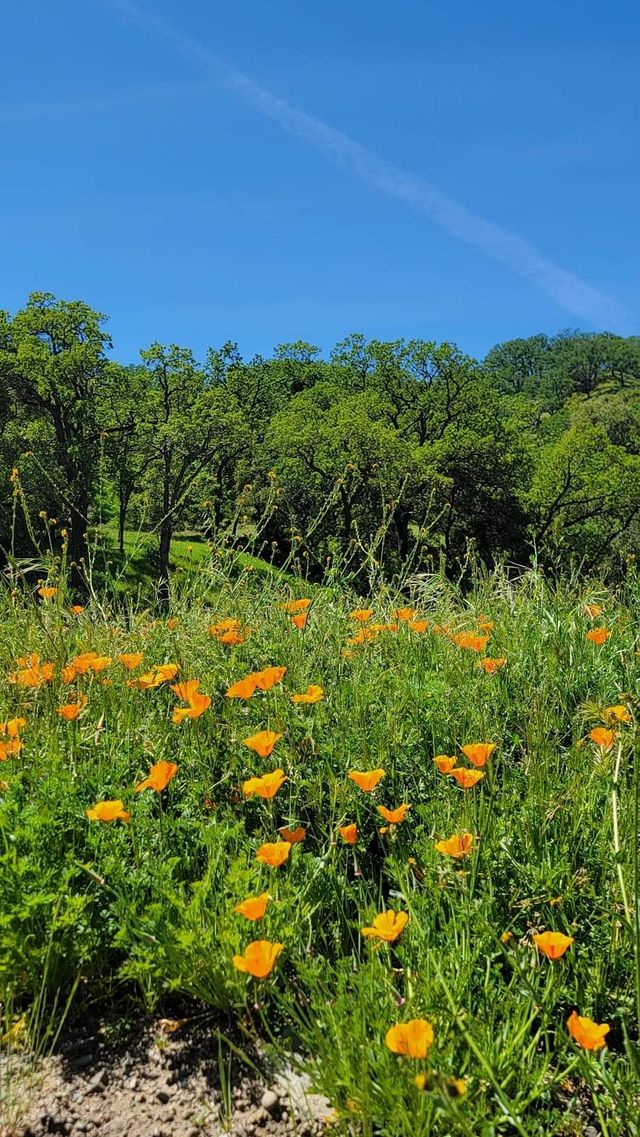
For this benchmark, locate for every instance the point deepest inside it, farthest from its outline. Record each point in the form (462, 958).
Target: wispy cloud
(522, 258)
(88, 103)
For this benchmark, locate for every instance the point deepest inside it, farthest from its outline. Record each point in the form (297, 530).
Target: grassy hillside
(145, 905)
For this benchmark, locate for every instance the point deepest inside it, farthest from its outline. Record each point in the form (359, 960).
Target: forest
(409, 455)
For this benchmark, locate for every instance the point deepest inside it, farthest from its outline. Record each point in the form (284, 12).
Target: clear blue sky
(134, 175)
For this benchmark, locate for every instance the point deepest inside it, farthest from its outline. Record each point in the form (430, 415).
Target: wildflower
(197, 703)
(405, 614)
(457, 846)
(387, 926)
(269, 677)
(273, 853)
(313, 694)
(361, 614)
(76, 609)
(70, 711)
(265, 787)
(349, 833)
(470, 640)
(593, 610)
(478, 753)
(362, 636)
(12, 727)
(254, 907)
(131, 660)
(155, 678)
(263, 742)
(367, 780)
(552, 944)
(295, 606)
(458, 1087)
(293, 836)
(418, 626)
(394, 816)
(603, 737)
(492, 665)
(258, 958)
(300, 621)
(466, 778)
(10, 748)
(444, 763)
(412, 1038)
(172, 623)
(506, 937)
(587, 1033)
(47, 592)
(242, 689)
(616, 714)
(159, 776)
(108, 811)
(598, 635)
(229, 631)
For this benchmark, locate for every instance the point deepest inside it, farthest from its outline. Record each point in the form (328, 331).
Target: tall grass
(137, 910)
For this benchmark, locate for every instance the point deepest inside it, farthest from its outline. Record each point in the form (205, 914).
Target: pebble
(269, 1101)
(591, 1131)
(163, 1096)
(98, 1082)
(131, 1084)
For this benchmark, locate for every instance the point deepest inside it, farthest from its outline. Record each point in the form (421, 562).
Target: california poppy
(457, 846)
(492, 665)
(552, 944)
(466, 778)
(598, 635)
(76, 609)
(313, 694)
(418, 626)
(47, 592)
(472, 641)
(254, 907)
(263, 742)
(300, 621)
(593, 610)
(293, 836)
(269, 677)
(258, 958)
(444, 763)
(367, 780)
(405, 613)
(12, 727)
(172, 623)
(131, 659)
(159, 776)
(242, 689)
(265, 787)
(603, 737)
(478, 753)
(412, 1038)
(616, 714)
(362, 636)
(70, 711)
(10, 748)
(197, 702)
(274, 853)
(349, 833)
(155, 678)
(394, 816)
(294, 606)
(387, 926)
(587, 1033)
(361, 614)
(108, 811)
(33, 673)
(99, 663)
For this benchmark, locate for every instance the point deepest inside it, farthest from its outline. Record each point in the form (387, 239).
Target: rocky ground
(169, 1083)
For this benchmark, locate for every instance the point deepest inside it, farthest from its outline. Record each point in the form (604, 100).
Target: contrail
(522, 258)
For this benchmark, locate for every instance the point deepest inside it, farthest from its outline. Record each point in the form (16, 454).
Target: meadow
(397, 837)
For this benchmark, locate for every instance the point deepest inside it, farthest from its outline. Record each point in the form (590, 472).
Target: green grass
(143, 910)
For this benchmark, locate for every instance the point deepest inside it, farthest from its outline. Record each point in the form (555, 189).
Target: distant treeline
(408, 452)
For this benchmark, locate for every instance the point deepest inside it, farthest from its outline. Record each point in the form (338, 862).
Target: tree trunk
(166, 532)
(78, 541)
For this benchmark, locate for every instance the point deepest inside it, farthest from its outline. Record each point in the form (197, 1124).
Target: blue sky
(139, 173)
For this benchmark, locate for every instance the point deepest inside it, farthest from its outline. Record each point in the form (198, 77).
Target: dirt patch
(167, 1083)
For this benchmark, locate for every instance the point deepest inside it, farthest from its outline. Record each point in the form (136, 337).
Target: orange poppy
(70, 711)
(412, 1038)
(603, 737)
(229, 632)
(394, 816)
(405, 613)
(159, 776)
(172, 623)
(274, 853)
(294, 606)
(472, 641)
(478, 753)
(76, 609)
(293, 836)
(444, 763)
(265, 787)
(367, 780)
(197, 703)
(313, 694)
(552, 944)
(33, 674)
(232, 638)
(349, 833)
(12, 727)
(10, 748)
(254, 907)
(242, 689)
(362, 636)
(418, 626)
(441, 629)
(593, 610)
(362, 614)
(263, 742)
(258, 958)
(268, 677)
(131, 659)
(598, 635)
(616, 714)
(587, 1033)
(387, 926)
(390, 627)
(457, 846)
(47, 592)
(466, 778)
(492, 665)
(108, 811)
(155, 678)
(300, 621)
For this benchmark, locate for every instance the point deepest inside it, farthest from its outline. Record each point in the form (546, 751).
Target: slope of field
(399, 840)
